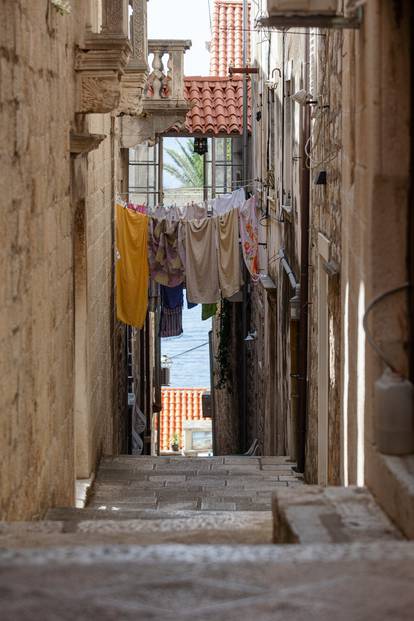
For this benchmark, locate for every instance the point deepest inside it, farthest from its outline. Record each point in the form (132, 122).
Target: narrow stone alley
(207, 310)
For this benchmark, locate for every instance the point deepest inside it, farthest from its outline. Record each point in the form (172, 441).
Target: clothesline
(243, 183)
(199, 253)
(210, 208)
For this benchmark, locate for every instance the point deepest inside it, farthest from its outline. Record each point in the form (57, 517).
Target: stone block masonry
(39, 202)
(36, 326)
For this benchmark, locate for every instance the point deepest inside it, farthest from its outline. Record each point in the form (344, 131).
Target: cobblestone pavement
(348, 582)
(199, 484)
(168, 538)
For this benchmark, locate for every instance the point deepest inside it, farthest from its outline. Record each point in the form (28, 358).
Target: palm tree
(187, 166)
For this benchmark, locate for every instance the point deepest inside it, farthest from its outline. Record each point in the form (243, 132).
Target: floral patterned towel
(249, 233)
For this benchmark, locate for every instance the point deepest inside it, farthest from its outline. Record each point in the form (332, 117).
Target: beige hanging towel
(229, 253)
(202, 280)
(131, 266)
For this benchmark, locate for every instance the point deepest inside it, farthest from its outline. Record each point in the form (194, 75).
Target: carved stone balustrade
(164, 104)
(136, 73)
(102, 60)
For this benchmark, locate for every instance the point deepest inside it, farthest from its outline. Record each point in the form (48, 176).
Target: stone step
(225, 583)
(315, 514)
(86, 527)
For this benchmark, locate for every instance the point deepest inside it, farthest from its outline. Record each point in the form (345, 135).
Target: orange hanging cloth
(131, 266)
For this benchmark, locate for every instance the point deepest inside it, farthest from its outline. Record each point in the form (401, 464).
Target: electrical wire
(187, 351)
(370, 338)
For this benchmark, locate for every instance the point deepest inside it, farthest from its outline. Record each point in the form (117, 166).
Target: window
(144, 185)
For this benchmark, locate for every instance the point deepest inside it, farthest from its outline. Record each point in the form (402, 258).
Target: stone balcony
(163, 104)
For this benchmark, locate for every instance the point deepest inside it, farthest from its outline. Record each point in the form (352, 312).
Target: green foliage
(187, 166)
(224, 347)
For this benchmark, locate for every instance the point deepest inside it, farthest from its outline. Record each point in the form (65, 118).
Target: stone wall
(56, 216)
(273, 357)
(226, 396)
(325, 219)
(94, 422)
(36, 351)
(376, 153)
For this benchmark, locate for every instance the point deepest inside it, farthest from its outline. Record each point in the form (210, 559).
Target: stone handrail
(166, 79)
(163, 103)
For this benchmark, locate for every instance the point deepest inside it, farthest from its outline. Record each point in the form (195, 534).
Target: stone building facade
(62, 90)
(353, 160)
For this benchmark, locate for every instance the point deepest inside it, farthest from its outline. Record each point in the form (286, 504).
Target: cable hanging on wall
(370, 338)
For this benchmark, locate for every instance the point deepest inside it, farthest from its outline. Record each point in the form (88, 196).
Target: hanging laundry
(172, 301)
(171, 323)
(195, 212)
(131, 266)
(229, 253)
(202, 279)
(181, 243)
(166, 266)
(208, 311)
(171, 297)
(224, 203)
(249, 233)
(137, 208)
(189, 304)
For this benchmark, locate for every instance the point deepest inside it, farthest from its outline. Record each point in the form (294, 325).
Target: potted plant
(175, 442)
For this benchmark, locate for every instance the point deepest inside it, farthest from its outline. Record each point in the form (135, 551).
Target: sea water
(189, 369)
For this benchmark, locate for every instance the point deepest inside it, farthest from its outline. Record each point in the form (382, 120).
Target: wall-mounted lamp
(200, 146)
(320, 178)
(303, 98)
(251, 337)
(166, 364)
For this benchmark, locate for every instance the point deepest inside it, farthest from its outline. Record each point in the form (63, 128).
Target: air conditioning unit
(294, 7)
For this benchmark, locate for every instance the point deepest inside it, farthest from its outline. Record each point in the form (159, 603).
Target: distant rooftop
(227, 37)
(178, 404)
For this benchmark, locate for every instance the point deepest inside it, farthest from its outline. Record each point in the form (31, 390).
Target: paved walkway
(149, 546)
(199, 484)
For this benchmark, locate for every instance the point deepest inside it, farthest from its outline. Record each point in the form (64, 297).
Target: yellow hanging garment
(131, 266)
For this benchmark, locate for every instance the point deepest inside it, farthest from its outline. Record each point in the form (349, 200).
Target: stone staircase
(191, 538)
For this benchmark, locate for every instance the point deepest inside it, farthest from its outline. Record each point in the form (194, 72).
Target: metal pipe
(160, 172)
(245, 94)
(304, 262)
(410, 215)
(289, 272)
(212, 391)
(205, 180)
(243, 421)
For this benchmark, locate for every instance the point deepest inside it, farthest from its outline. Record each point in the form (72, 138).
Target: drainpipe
(410, 223)
(304, 262)
(243, 395)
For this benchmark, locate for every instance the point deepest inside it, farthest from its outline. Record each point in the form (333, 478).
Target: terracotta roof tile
(178, 404)
(217, 106)
(217, 101)
(227, 37)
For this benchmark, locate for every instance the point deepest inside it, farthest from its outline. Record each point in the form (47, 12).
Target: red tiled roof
(227, 37)
(217, 106)
(178, 404)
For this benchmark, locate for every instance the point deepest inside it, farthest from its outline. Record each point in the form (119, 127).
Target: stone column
(115, 17)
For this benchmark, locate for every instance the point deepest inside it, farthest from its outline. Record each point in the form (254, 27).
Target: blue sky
(182, 19)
